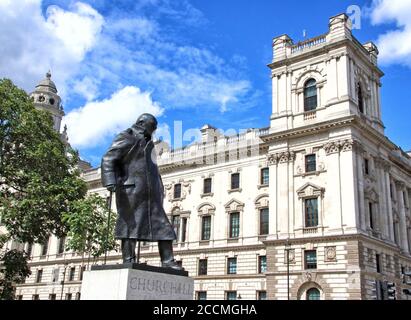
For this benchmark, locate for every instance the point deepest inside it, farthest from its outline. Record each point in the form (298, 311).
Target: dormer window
(360, 99)
(310, 95)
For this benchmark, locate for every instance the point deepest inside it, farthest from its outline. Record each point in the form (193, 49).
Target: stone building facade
(317, 206)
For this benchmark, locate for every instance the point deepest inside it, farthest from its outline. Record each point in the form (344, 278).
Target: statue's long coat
(139, 195)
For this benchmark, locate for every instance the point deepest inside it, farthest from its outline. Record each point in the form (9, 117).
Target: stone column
(382, 212)
(273, 199)
(389, 203)
(401, 211)
(360, 183)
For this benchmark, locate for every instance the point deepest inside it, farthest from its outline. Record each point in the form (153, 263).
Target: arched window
(313, 294)
(360, 99)
(310, 95)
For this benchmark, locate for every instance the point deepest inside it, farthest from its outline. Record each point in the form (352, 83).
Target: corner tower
(46, 98)
(325, 78)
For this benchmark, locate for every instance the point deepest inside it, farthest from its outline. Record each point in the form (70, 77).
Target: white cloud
(33, 43)
(86, 87)
(93, 123)
(394, 45)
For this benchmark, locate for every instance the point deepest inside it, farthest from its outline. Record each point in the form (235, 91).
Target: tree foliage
(39, 182)
(88, 226)
(13, 270)
(41, 191)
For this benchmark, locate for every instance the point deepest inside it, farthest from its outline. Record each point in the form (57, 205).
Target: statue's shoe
(173, 265)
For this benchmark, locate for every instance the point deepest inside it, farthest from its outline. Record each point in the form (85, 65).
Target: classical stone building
(317, 206)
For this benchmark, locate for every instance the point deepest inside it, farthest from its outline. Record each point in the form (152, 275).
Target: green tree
(89, 230)
(13, 270)
(41, 191)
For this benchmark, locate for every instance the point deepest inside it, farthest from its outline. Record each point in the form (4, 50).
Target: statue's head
(148, 122)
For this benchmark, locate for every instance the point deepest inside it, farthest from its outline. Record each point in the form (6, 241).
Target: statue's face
(150, 126)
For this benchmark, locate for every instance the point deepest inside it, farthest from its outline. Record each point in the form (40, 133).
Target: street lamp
(287, 250)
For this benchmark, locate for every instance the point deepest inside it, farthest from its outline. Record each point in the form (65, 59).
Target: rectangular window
(265, 177)
(201, 295)
(234, 225)
(20, 297)
(202, 267)
(175, 221)
(29, 250)
(264, 221)
(177, 191)
(183, 229)
(367, 166)
(370, 211)
(206, 228)
(235, 181)
(52, 296)
(72, 273)
(310, 163)
(391, 191)
(262, 264)
(311, 213)
(68, 296)
(45, 248)
(207, 186)
(55, 276)
(404, 196)
(232, 266)
(231, 295)
(262, 295)
(378, 263)
(310, 258)
(60, 249)
(39, 275)
(180, 263)
(78, 296)
(35, 297)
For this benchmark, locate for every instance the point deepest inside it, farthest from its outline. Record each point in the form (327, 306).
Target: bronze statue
(128, 170)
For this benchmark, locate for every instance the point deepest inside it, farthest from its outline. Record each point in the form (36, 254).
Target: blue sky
(192, 61)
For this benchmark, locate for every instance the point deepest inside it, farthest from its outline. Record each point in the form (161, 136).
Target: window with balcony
(207, 186)
(235, 181)
(310, 95)
(234, 226)
(310, 163)
(232, 266)
(311, 212)
(206, 228)
(264, 221)
(265, 177)
(310, 259)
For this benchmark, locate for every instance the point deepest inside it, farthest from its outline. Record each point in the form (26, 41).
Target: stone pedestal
(136, 282)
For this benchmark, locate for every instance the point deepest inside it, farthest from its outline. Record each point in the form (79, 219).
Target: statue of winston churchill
(128, 170)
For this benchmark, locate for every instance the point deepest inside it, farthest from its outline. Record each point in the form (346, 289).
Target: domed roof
(47, 84)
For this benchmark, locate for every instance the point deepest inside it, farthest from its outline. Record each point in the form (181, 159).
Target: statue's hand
(112, 187)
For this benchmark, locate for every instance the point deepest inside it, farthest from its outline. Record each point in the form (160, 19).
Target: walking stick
(108, 224)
